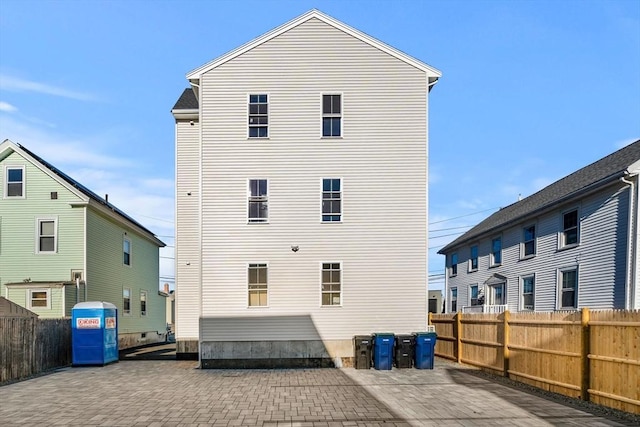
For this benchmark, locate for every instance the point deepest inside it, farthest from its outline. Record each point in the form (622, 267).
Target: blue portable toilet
(94, 333)
(383, 345)
(425, 350)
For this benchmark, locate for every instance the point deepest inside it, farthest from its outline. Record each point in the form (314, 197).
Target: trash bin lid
(94, 304)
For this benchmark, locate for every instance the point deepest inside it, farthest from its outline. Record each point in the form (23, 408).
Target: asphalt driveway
(176, 393)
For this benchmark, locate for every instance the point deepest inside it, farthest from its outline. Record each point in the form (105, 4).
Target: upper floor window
(529, 241)
(126, 301)
(331, 284)
(569, 288)
(257, 285)
(473, 258)
(496, 251)
(528, 292)
(331, 115)
(126, 251)
(569, 228)
(454, 264)
(258, 200)
(258, 116)
(331, 200)
(473, 295)
(143, 303)
(15, 181)
(47, 235)
(454, 300)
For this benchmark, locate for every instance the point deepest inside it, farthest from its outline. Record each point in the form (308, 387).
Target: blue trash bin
(383, 345)
(425, 350)
(94, 333)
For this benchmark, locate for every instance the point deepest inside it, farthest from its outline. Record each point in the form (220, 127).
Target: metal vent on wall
(54, 195)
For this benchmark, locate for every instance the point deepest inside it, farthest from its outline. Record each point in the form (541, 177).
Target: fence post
(584, 355)
(457, 331)
(505, 345)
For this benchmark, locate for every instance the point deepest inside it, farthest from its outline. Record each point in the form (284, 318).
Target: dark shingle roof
(187, 101)
(604, 170)
(86, 191)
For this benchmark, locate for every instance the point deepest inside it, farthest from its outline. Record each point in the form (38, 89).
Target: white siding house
(573, 244)
(301, 197)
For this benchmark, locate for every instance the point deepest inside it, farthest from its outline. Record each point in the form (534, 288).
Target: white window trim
(29, 299)
(40, 219)
(124, 313)
(5, 190)
(559, 272)
(257, 307)
(535, 242)
(126, 238)
(341, 200)
(521, 292)
(469, 293)
(341, 285)
(561, 244)
(262, 138)
(490, 293)
(492, 261)
(451, 273)
(470, 268)
(455, 288)
(146, 299)
(249, 197)
(322, 94)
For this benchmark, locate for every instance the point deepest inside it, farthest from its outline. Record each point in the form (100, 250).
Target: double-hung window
(496, 251)
(39, 298)
(258, 209)
(257, 283)
(529, 241)
(569, 228)
(454, 264)
(331, 200)
(473, 295)
(528, 292)
(126, 301)
(473, 258)
(454, 300)
(331, 115)
(14, 181)
(143, 303)
(46, 229)
(258, 116)
(126, 251)
(568, 288)
(331, 283)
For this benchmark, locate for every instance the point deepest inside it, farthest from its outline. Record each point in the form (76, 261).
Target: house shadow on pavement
(155, 351)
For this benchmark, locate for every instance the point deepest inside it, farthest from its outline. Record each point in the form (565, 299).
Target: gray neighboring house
(572, 244)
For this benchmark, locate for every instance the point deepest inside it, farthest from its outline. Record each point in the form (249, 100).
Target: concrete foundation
(187, 349)
(139, 338)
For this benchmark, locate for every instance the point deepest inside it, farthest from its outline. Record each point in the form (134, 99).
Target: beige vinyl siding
(381, 159)
(107, 275)
(18, 258)
(187, 253)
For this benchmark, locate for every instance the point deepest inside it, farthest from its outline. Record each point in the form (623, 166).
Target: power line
(462, 216)
(450, 228)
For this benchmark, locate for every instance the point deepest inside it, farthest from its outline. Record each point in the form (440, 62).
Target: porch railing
(484, 308)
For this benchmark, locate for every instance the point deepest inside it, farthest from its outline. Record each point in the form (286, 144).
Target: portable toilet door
(94, 333)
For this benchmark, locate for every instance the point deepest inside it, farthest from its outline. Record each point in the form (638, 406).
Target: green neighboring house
(61, 244)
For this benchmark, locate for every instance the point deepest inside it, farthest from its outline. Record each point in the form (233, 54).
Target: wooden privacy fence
(593, 355)
(29, 345)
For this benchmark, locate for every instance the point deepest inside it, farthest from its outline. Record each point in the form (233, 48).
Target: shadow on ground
(156, 351)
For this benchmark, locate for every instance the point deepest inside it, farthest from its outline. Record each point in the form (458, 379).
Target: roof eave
(580, 193)
(193, 114)
(194, 75)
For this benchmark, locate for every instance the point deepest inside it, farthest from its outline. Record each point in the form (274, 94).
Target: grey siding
(601, 256)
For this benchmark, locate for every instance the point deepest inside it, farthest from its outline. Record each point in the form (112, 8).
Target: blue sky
(531, 91)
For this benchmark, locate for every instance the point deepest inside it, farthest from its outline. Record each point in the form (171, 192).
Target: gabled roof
(431, 72)
(74, 186)
(602, 172)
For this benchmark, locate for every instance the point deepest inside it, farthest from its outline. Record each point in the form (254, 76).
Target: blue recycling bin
(425, 350)
(94, 333)
(383, 345)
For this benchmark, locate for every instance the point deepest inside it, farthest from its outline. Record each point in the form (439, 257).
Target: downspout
(631, 230)
(77, 290)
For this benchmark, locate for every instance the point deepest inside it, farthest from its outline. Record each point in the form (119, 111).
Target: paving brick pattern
(175, 393)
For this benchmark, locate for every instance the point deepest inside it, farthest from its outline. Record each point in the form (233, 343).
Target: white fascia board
(634, 168)
(10, 145)
(314, 13)
(193, 114)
